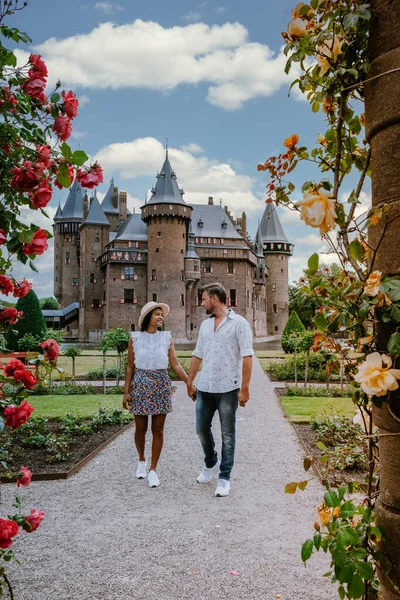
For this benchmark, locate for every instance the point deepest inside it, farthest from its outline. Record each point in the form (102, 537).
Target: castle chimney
(85, 206)
(210, 201)
(122, 205)
(243, 225)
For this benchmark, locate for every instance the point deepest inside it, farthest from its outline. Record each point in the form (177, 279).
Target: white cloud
(120, 56)
(83, 100)
(192, 16)
(199, 176)
(193, 148)
(108, 7)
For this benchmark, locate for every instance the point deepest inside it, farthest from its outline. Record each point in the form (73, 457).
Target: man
(225, 347)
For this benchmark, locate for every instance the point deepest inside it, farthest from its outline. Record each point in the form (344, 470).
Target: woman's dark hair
(215, 289)
(146, 321)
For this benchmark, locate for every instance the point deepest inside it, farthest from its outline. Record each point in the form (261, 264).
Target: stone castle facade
(109, 262)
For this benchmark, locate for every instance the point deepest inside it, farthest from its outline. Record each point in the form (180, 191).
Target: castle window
(181, 250)
(136, 244)
(276, 327)
(222, 242)
(214, 240)
(92, 257)
(67, 258)
(128, 273)
(97, 238)
(182, 275)
(281, 270)
(208, 267)
(208, 240)
(232, 300)
(230, 269)
(196, 265)
(182, 300)
(157, 250)
(225, 252)
(275, 308)
(196, 240)
(75, 281)
(158, 233)
(183, 235)
(155, 298)
(92, 279)
(153, 275)
(274, 287)
(128, 296)
(96, 303)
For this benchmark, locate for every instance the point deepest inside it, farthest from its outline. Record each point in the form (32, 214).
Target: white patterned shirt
(222, 352)
(151, 349)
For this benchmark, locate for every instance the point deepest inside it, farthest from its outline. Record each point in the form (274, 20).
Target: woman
(147, 390)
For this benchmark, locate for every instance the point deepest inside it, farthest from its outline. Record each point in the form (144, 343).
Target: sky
(208, 76)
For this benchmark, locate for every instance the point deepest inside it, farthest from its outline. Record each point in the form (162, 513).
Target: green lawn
(300, 410)
(55, 407)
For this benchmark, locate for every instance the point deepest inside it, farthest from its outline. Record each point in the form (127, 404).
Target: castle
(109, 262)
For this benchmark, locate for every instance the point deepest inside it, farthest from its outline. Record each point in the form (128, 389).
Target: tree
(293, 326)
(32, 322)
(117, 339)
(72, 351)
(49, 303)
(303, 305)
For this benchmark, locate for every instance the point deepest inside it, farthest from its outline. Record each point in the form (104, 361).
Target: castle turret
(167, 217)
(277, 251)
(111, 206)
(67, 247)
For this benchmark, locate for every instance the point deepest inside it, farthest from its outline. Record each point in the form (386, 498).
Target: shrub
(285, 370)
(319, 391)
(333, 430)
(64, 389)
(293, 326)
(111, 372)
(32, 321)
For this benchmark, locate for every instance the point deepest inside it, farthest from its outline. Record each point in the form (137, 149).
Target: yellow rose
(375, 375)
(318, 210)
(297, 28)
(324, 513)
(372, 284)
(328, 53)
(297, 9)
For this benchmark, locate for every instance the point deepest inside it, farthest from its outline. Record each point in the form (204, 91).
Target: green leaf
(347, 536)
(26, 236)
(364, 310)
(306, 550)
(356, 250)
(315, 107)
(353, 198)
(341, 217)
(322, 446)
(32, 266)
(317, 541)
(302, 485)
(331, 499)
(63, 180)
(341, 592)
(66, 152)
(365, 570)
(290, 488)
(304, 10)
(346, 573)
(55, 98)
(313, 262)
(11, 60)
(394, 344)
(308, 462)
(363, 12)
(347, 510)
(79, 158)
(314, 4)
(356, 587)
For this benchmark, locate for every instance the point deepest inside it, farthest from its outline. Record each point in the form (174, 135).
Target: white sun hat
(151, 306)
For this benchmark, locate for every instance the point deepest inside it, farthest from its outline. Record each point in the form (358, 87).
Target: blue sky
(206, 75)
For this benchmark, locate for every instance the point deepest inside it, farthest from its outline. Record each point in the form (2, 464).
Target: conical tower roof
(73, 208)
(132, 229)
(166, 190)
(107, 203)
(270, 227)
(96, 215)
(258, 245)
(58, 214)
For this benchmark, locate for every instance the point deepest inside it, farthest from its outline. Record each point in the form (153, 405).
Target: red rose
(8, 529)
(25, 177)
(33, 521)
(24, 477)
(6, 285)
(17, 415)
(90, 178)
(38, 245)
(13, 365)
(3, 236)
(44, 157)
(71, 176)
(42, 195)
(34, 86)
(26, 378)
(51, 349)
(10, 98)
(22, 288)
(10, 315)
(38, 66)
(70, 104)
(62, 127)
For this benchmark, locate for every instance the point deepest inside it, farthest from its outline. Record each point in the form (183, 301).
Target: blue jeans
(226, 404)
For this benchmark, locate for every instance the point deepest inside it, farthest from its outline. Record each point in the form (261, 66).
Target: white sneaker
(141, 471)
(223, 488)
(152, 479)
(208, 474)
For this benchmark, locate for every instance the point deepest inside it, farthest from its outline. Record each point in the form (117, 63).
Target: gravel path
(107, 536)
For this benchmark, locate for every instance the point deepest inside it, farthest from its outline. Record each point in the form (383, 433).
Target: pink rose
(38, 245)
(34, 86)
(33, 521)
(8, 529)
(44, 157)
(51, 349)
(91, 177)
(70, 104)
(25, 177)
(26, 378)
(3, 236)
(6, 285)
(10, 315)
(24, 477)
(42, 195)
(62, 128)
(38, 66)
(17, 415)
(22, 288)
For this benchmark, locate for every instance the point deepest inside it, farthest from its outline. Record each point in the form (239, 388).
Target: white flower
(318, 210)
(375, 375)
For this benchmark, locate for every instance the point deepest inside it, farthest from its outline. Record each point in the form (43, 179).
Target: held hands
(126, 402)
(244, 395)
(192, 391)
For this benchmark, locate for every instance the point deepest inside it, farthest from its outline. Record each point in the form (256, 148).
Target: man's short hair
(215, 289)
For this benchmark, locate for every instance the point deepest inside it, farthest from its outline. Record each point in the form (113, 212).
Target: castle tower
(67, 247)
(167, 217)
(94, 235)
(277, 251)
(114, 206)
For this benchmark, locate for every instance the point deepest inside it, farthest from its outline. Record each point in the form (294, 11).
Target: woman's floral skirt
(151, 392)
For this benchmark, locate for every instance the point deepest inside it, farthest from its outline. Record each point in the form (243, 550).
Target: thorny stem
(9, 586)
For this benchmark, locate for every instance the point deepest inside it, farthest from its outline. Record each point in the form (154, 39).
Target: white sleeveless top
(151, 349)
